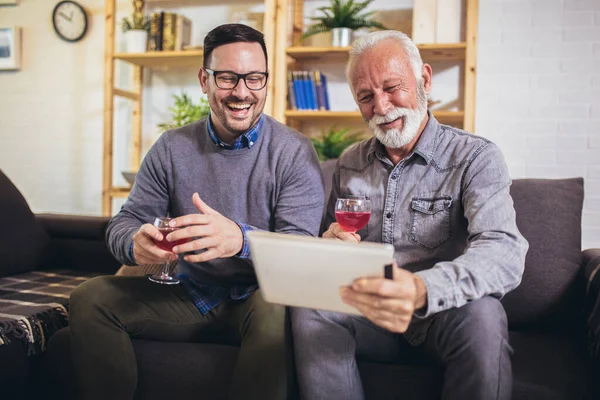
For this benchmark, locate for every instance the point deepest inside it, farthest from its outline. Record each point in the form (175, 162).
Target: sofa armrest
(591, 270)
(78, 243)
(74, 226)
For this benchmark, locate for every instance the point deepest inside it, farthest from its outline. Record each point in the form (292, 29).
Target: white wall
(538, 97)
(538, 92)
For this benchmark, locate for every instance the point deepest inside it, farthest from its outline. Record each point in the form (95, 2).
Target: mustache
(235, 99)
(391, 116)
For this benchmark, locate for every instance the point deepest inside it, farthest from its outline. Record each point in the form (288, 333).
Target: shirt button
(388, 215)
(441, 303)
(394, 176)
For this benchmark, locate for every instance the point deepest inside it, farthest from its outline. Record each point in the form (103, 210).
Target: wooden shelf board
(429, 52)
(442, 116)
(160, 59)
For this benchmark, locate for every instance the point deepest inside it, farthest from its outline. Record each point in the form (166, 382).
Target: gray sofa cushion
(24, 241)
(549, 216)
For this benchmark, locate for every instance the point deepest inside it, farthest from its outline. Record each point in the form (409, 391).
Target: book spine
(183, 32)
(291, 92)
(320, 91)
(169, 25)
(307, 90)
(325, 91)
(155, 36)
(299, 91)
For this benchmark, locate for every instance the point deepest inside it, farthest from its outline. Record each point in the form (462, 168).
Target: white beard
(397, 138)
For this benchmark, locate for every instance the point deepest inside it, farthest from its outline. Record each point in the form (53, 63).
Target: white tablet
(308, 272)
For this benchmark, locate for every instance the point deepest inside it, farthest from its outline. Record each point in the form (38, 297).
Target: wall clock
(69, 20)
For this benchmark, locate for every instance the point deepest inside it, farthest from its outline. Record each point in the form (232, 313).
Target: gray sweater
(276, 185)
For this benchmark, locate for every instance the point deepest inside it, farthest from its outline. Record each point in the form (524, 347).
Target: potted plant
(136, 30)
(331, 144)
(184, 111)
(342, 17)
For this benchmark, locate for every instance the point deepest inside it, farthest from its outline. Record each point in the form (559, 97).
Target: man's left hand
(388, 303)
(209, 230)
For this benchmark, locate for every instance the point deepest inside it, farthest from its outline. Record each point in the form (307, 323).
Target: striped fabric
(34, 305)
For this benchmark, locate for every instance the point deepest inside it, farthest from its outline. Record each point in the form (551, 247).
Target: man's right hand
(145, 251)
(335, 231)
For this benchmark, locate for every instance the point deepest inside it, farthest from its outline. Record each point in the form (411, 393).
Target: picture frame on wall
(10, 48)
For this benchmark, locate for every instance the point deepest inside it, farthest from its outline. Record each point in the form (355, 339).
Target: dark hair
(232, 33)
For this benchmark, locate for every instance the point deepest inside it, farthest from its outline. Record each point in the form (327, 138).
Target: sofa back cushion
(24, 241)
(550, 295)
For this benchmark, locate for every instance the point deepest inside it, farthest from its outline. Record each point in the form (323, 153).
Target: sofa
(549, 315)
(44, 257)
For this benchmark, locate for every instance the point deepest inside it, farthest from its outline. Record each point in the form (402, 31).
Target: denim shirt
(446, 209)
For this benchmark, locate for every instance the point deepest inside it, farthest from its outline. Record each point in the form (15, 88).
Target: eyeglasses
(229, 80)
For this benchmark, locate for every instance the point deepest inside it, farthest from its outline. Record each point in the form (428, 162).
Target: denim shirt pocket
(430, 221)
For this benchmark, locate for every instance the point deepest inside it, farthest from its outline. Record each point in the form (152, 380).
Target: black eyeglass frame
(239, 77)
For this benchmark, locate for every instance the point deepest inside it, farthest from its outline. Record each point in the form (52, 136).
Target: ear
(426, 74)
(203, 78)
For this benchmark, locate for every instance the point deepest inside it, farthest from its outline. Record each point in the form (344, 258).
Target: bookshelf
(140, 63)
(280, 16)
(291, 15)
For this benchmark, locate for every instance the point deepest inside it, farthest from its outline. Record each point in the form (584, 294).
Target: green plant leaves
(137, 21)
(185, 111)
(342, 14)
(331, 144)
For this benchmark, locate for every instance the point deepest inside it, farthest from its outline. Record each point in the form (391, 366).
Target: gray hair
(369, 41)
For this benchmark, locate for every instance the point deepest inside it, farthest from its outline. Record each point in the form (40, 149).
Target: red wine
(165, 244)
(352, 221)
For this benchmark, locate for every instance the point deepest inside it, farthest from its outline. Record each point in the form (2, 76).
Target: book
(169, 26)
(320, 90)
(291, 92)
(325, 91)
(183, 32)
(156, 29)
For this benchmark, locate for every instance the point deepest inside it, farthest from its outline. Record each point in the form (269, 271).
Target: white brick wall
(538, 91)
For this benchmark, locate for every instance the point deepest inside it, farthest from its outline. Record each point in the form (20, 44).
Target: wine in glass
(353, 213)
(162, 223)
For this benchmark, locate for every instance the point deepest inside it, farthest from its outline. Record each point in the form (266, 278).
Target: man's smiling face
(234, 111)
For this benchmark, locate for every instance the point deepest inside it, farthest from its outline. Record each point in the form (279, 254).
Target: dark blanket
(34, 305)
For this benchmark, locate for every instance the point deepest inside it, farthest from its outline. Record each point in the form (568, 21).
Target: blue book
(326, 91)
(298, 89)
(307, 90)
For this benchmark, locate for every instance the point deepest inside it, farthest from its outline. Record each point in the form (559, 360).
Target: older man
(441, 196)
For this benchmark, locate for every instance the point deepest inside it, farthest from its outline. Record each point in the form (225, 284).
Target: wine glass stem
(165, 269)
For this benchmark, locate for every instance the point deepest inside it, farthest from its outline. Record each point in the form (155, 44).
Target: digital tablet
(308, 272)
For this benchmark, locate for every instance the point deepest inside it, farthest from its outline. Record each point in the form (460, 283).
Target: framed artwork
(10, 47)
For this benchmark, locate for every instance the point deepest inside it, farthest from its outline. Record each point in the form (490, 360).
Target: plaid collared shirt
(207, 297)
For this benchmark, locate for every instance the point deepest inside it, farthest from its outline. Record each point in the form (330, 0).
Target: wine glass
(162, 223)
(353, 212)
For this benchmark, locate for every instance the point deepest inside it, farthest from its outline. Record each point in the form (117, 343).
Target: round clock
(69, 20)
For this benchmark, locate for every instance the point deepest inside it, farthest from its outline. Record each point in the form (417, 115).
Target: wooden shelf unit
(463, 52)
(139, 62)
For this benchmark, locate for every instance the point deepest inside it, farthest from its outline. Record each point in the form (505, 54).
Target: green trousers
(107, 312)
